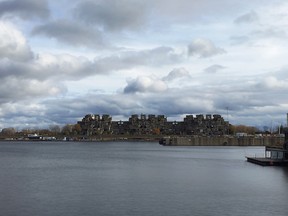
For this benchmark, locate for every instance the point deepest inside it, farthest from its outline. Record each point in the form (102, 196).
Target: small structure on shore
(37, 137)
(34, 137)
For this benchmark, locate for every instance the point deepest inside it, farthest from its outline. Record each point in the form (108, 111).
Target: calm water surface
(125, 178)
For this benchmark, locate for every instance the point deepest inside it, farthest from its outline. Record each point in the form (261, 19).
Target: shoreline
(171, 140)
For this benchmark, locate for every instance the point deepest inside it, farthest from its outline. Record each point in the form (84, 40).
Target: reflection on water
(137, 179)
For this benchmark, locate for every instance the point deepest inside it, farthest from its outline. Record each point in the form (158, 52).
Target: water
(137, 179)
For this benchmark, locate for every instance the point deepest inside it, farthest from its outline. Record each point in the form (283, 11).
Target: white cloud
(214, 68)
(13, 44)
(145, 84)
(204, 48)
(177, 73)
(271, 82)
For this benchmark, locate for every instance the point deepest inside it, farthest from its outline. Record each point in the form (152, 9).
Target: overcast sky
(63, 59)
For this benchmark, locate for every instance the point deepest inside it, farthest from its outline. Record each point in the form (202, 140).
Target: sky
(63, 59)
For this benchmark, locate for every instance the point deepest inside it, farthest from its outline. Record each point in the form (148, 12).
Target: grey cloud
(113, 14)
(145, 84)
(272, 83)
(122, 104)
(15, 52)
(247, 95)
(204, 48)
(177, 73)
(11, 51)
(10, 68)
(179, 105)
(24, 115)
(26, 9)
(74, 109)
(168, 102)
(250, 17)
(256, 35)
(271, 32)
(214, 68)
(239, 102)
(198, 11)
(243, 98)
(282, 73)
(68, 67)
(48, 67)
(239, 39)
(129, 59)
(13, 89)
(71, 33)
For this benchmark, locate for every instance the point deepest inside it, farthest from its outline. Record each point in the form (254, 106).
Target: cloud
(165, 102)
(45, 74)
(24, 115)
(250, 17)
(13, 89)
(204, 48)
(128, 59)
(43, 82)
(121, 61)
(177, 73)
(145, 95)
(145, 84)
(237, 40)
(270, 32)
(71, 67)
(214, 68)
(25, 9)
(113, 15)
(13, 44)
(272, 83)
(71, 33)
(68, 67)
(47, 66)
(204, 11)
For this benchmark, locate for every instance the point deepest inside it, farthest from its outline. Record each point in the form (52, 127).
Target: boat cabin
(276, 153)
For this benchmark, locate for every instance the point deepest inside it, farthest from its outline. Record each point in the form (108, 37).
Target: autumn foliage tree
(71, 129)
(156, 131)
(8, 131)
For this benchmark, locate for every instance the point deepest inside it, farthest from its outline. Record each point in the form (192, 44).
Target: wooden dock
(267, 161)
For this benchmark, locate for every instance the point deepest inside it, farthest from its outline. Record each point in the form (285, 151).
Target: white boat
(34, 137)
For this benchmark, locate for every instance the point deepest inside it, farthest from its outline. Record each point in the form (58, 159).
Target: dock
(267, 161)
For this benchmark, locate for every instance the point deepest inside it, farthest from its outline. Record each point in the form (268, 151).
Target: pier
(274, 156)
(267, 161)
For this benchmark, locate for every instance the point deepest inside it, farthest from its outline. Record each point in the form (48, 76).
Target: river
(137, 179)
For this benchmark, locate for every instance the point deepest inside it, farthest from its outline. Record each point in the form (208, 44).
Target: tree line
(75, 130)
(52, 131)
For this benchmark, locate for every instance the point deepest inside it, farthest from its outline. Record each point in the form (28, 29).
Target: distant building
(94, 125)
(152, 124)
(241, 134)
